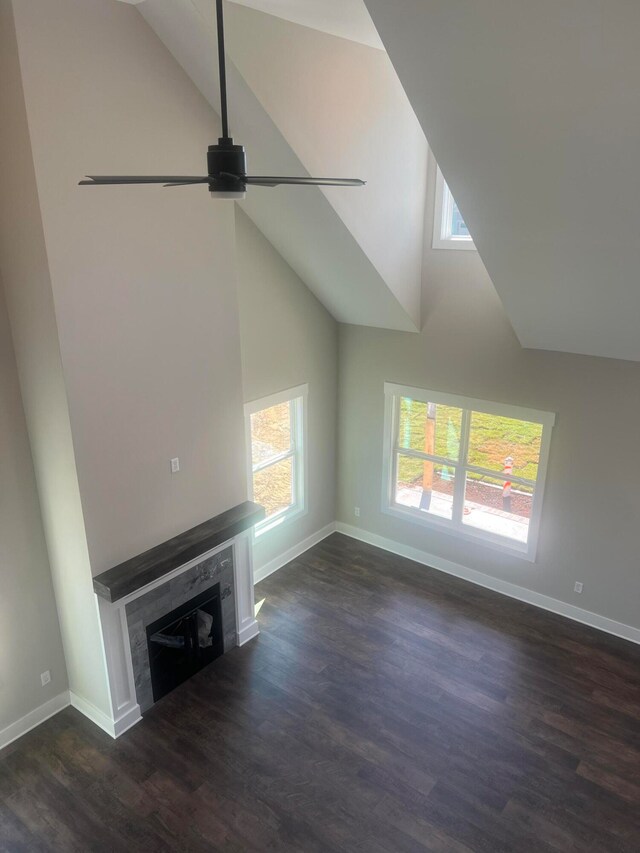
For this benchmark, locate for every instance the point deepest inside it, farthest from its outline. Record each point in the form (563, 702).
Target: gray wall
(24, 265)
(467, 346)
(143, 278)
(288, 338)
(29, 634)
(122, 301)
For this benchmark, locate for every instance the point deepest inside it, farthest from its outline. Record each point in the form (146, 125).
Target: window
(471, 468)
(449, 229)
(276, 428)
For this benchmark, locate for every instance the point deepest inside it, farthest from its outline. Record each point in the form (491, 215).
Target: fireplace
(184, 641)
(169, 612)
(169, 626)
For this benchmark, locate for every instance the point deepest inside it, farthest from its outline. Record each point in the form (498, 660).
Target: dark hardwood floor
(384, 707)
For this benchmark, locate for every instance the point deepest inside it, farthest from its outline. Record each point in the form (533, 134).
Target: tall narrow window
(472, 468)
(449, 228)
(276, 429)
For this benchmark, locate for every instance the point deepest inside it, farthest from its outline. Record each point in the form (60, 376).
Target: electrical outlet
(45, 678)
(356, 511)
(175, 465)
(577, 587)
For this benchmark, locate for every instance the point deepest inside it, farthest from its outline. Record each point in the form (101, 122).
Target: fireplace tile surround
(135, 594)
(146, 609)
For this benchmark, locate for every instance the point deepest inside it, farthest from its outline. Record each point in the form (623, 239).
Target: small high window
(449, 228)
(276, 442)
(470, 468)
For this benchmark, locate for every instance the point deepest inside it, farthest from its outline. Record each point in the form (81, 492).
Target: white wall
(143, 278)
(467, 346)
(30, 640)
(288, 339)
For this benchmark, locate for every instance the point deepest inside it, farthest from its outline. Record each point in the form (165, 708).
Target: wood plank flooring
(384, 707)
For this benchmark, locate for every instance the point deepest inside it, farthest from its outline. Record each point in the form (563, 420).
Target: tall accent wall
(467, 347)
(143, 278)
(288, 339)
(122, 301)
(30, 642)
(25, 271)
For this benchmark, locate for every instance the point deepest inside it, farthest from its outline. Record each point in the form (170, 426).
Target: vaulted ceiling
(532, 110)
(346, 18)
(305, 101)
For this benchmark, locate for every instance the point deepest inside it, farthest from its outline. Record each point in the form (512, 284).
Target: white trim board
(102, 720)
(291, 553)
(34, 718)
(544, 602)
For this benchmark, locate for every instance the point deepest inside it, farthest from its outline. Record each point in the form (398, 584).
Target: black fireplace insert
(184, 641)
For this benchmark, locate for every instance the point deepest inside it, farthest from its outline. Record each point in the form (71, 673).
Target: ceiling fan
(226, 162)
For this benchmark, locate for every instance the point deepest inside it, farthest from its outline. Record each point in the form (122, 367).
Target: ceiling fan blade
(188, 183)
(105, 180)
(269, 181)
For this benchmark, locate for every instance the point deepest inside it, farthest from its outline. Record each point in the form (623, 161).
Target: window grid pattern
(443, 483)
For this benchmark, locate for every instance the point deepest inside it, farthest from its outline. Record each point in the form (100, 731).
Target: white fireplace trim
(125, 711)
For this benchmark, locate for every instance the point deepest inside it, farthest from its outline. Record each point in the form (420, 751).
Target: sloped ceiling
(348, 19)
(321, 239)
(532, 110)
(340, 103)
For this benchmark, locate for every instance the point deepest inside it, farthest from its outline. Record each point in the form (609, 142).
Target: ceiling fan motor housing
(224, 161)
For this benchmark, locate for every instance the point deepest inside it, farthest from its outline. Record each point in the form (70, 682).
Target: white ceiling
(301, 224)
(346, 18)
(532, 110)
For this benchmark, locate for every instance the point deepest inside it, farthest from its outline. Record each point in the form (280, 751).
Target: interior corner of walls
(263, 570)
(91, 712)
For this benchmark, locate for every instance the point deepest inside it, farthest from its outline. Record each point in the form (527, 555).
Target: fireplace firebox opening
(184, 641)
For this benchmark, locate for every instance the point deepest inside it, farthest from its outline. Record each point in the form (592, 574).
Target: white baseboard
(112, 727)
(248, 633)
(290, 554)
(545, 602)
(92, 713)
(33, 718)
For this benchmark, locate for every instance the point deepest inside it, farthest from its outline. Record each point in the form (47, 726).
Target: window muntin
(276, 449)
(476, 469)
(274, 486)
(449, 228)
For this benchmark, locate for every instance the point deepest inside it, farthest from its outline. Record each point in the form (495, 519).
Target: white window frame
(297, 397)
(455, 526)
(443, 217)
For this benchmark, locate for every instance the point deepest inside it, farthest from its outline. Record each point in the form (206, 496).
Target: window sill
(460, 244)
(524, 551)
(278, 521)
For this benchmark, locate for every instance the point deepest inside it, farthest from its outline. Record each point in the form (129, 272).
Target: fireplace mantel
(118, 587)
(152, 565)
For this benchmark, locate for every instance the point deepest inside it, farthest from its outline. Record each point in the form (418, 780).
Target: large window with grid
(471, 468)
(276, 439)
